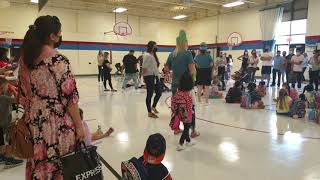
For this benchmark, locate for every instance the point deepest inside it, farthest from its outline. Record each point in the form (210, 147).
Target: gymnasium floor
(234, 143)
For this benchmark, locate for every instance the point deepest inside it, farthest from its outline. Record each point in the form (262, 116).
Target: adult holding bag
(50, 99)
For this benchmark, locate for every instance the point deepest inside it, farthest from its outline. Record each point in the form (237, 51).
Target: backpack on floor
(246, 101)
(133, 170)
(298, 108)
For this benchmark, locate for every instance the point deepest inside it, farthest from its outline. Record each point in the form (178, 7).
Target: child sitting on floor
(261, 89)
(256, 102)
(6, 101)
(234, 94)
(298, 108)
(293, 93)
(283, 103)
(214, 89)
(94, 136)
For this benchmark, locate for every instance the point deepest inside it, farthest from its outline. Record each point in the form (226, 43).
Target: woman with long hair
(150, 73)
(245, 60)
(315, 69)
(253, 65)
(106, 71)
(204, 64)
(50, 99)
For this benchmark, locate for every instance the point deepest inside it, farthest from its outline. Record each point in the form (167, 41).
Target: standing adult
(266, 59)
(107, 68)
(314, 69)
(278, 62)
(150, 73)
(288, 63)
(229, 66)
(100, 59)
(221, 64)
(130, 65)
(245, 60)
(50, 99)
(304, 65)
(283, 69)
(253, 65)
(297, 61)
(204, 64)
(180, 61)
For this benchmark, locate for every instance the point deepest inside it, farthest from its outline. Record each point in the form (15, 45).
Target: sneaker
(106, 90)
(190, 144)
(11, 163)
(114, 90)
(180, 147)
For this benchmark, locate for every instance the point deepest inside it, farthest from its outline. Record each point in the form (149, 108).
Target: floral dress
(46, 92)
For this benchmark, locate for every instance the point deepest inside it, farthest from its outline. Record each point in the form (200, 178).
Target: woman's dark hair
(81, 113)
(254, 52)
(252, 87)
(186, 82)
(302, 97)
(150, 49)
(244, 52)
(37, 36)
(237, 84)
(262, 83)
(3, 53)
(286, 85)
(193, 54)
(308, 88)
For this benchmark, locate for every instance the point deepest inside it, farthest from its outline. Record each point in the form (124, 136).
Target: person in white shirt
(297, 61)
(266, 59)
(100, 59)
(253, 64)
(150, 74)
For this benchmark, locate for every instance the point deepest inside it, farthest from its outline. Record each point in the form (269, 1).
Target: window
(291, 32)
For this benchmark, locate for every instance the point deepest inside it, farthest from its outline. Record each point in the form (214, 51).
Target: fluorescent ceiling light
(120, 10)
(233, 4)
(180, 16)
(34, 1)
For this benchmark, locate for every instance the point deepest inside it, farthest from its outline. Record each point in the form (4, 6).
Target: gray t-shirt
(5, 110)
(179, 65)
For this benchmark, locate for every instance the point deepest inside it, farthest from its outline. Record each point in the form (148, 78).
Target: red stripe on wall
(313, 37)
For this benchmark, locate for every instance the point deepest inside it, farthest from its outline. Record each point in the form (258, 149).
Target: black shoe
(272, 85)
(11, 162)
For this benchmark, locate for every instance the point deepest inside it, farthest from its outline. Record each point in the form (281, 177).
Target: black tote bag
(84, 164)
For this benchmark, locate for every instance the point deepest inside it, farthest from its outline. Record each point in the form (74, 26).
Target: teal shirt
(204, 61)
(179, 65)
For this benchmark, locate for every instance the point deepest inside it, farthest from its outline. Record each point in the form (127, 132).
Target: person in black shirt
(130, 65)
(106, 69)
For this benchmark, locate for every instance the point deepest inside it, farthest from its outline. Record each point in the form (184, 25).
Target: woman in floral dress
(50, 99)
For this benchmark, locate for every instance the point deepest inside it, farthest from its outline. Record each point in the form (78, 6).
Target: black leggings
(185, 134)
(107, 77)
(193, 123)
(314, 78)
(221, 75)
(153, 85)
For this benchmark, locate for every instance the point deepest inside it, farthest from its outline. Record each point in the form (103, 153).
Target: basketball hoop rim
(230, 36)
(114, 30)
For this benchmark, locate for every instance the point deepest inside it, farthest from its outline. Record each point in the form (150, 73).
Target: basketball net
(7, 37)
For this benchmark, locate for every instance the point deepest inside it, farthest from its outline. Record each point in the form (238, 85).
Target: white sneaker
(190, 144)
(180, 147)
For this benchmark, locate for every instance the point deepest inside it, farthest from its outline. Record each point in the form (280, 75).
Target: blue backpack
(246, 101)
(312, 115)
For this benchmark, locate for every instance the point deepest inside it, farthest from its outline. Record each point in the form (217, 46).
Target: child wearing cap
(153, 155)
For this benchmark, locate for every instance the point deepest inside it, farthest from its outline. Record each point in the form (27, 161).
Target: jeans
(299, 76)
(314, 78)
(274, 76)
(185, 134)
(100, 73)
(128, 77)
(107, 77)
(153, 85)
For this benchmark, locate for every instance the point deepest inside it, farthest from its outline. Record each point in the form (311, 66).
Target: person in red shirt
(4, 58)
